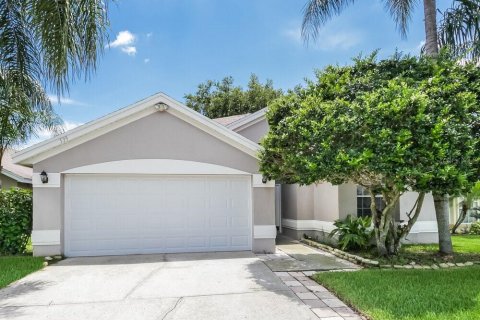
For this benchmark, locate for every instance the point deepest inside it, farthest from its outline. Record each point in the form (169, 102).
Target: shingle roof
(225, 121)
(15, 171)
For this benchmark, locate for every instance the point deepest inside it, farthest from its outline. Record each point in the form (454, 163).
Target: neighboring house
(313, 209)
(14, 175)
(154, 177)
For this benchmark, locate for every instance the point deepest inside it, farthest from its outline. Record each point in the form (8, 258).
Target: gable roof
(119, 118)
(247, 121)
(17, 172)
(225, 121)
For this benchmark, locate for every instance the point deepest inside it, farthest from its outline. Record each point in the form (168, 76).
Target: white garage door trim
(157, 166)
(143, 238)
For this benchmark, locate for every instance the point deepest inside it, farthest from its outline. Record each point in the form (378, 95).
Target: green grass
(465, 247)
(386, 294)
(13, 268)
(461, 244)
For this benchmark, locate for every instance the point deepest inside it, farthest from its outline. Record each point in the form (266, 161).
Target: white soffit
(117, 119)
(248, 121)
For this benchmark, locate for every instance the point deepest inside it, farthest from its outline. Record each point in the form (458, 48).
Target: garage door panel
(107, 214)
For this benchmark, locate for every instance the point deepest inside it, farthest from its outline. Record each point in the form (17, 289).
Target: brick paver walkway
(324, 304)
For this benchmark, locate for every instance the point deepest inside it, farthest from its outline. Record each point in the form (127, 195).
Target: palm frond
(401, 11)
(25, 109)
(318, 12)
(71, 35)
(460, 29)
(18, 46)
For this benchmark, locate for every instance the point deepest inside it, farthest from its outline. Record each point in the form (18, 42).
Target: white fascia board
(247, 121)
(15, 176)
(117, 119)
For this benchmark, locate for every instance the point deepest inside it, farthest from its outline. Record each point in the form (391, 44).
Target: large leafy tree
(216, 99)
(44, 44)
(401, 124)
(459, 30)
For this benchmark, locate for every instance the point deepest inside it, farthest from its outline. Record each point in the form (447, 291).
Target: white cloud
(294, 34)
(124, 41)
(67, 101)
(124, 38)
(146, 60)
(149, 35)
(328, 38)
(130, 50)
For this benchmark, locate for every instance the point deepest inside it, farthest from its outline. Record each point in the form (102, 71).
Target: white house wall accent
(46, 237)
(156, 166)
(264, 232)
(258, 182)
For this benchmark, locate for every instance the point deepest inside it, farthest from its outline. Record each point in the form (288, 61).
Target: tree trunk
(412, 216)
(461, 218)
(382, 221)
(442, 213)
(431, 35)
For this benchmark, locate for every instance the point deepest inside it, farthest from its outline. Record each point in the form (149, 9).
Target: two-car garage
(154, 177)
(132, 214)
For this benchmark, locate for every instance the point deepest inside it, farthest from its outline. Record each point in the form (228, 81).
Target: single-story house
(158, 177)
(14, 175)
(154, 177)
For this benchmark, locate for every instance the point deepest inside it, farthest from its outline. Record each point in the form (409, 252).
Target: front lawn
(13, 268)
(389, 294)
(465, 247)
(461, 244)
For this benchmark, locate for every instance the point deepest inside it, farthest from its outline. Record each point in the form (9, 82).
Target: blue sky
(173, 45)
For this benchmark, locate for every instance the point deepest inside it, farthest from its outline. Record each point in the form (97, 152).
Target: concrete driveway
(169, 286)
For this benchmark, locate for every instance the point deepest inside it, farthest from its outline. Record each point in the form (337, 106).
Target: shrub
(15, 220)
(353, 233)
(475, 228)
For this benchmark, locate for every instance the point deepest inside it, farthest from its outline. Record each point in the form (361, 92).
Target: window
(364, 201)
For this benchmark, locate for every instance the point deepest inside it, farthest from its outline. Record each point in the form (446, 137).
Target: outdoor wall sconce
(44, 177)
(264, 179)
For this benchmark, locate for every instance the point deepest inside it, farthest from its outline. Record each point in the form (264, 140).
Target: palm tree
(460, 29)
(318, 12)
(44, 44)
(24, 111)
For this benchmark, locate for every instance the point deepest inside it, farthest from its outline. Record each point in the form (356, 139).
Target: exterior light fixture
(264, 179)
(161, 106)
(44, 177)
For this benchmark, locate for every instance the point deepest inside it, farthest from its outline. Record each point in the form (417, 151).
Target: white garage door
(122, 214)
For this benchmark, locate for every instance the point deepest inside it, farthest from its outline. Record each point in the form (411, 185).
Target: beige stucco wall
(326, 202)
(256, 131)
(158, 136)
(347, 200)
(264, 206)
(407, 200)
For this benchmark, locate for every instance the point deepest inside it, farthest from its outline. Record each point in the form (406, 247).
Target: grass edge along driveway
(409, 294)
(13, 268)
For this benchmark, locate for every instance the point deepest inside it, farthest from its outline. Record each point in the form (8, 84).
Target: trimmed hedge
(15, 220)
